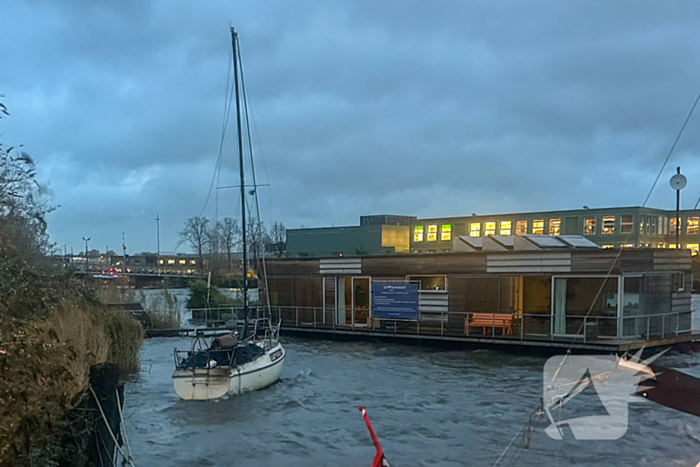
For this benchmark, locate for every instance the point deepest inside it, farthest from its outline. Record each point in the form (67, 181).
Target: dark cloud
(412, 107)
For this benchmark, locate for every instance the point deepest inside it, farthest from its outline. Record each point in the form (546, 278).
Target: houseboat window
(554, 226)
(430, 283)
(631, 325)
(446, 233)
(432, 233)
(489, 228)
(538, 227)
(589, 226)
(418, 233)
(678, 281)
(521, 227)
(672, 229)
(572, 304)
(626, 224)
(692, 225)
(693, 247)
(607, 246)
(506, 227)
(475, 229)
(608, 224)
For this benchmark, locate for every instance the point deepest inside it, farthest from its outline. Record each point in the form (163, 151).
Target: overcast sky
(362, 107)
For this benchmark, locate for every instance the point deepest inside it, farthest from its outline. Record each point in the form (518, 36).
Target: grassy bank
(52, 329)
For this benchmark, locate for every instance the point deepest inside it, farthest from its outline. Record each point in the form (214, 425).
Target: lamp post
(86, 253)
(678, 182)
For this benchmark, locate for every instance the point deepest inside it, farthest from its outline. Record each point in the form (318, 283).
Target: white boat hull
(206, 384)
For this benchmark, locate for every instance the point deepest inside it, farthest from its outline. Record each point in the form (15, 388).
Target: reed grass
(45, 359)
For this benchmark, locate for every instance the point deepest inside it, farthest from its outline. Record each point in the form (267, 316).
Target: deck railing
(528, 326)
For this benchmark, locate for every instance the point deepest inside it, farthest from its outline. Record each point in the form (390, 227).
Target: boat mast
(234, 43)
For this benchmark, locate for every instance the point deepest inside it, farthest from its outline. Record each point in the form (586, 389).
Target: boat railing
(496, 325)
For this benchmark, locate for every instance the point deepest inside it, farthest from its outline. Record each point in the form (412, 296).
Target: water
(429, 407)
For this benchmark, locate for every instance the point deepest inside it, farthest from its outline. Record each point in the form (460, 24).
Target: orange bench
(502, 321)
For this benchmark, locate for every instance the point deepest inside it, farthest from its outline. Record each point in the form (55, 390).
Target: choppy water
(429, 407)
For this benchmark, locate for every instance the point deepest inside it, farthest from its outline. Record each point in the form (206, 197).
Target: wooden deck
(506, 343)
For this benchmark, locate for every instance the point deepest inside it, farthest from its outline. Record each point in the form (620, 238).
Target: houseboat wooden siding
(572, 262)
(517, 283)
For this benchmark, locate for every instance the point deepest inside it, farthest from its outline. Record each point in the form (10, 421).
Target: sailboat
(243, 360)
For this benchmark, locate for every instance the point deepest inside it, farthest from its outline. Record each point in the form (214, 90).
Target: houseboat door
(360, 300)
(353, 300)
(559, 309)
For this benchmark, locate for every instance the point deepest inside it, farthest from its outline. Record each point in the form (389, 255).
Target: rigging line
(260, 149)
(255, 189)
(668, 157)
(619, 253)
(228, 98)
(509, 445)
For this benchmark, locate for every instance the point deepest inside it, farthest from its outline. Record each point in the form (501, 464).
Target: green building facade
(620, 227)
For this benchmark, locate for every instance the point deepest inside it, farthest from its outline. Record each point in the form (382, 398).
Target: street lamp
(86, 253)
(678, 182)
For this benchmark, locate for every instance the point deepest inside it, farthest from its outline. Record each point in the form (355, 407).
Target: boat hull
(207, 384)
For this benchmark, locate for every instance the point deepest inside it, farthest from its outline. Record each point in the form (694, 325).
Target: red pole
(379, 460)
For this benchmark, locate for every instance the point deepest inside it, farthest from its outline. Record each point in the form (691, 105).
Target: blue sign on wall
(395, 300)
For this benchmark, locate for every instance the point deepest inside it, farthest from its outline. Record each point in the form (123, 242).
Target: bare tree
(196, 234)
(278, 238)
(257, 238)
(23, 205)
(230, 237)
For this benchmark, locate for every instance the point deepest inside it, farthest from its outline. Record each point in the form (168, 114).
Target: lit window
(432, 233)
(589, 226)
(538, 227)
(672, 246)
(608, 224)
(446, 233)
(183, 261)
(554, 226)
(691, 226)
(694, 247)
(506, 227)
(672, 230)
(171, 261)
(628, 245)
(161, 261)
(626, 224)
(489, 228)
(193, 261)
(475, 229)
(642, 219)
(521, 227)
(418, 233)
(607, 247)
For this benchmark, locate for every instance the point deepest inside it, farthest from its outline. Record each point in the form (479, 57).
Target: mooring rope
(109, 429)
(123, 427)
